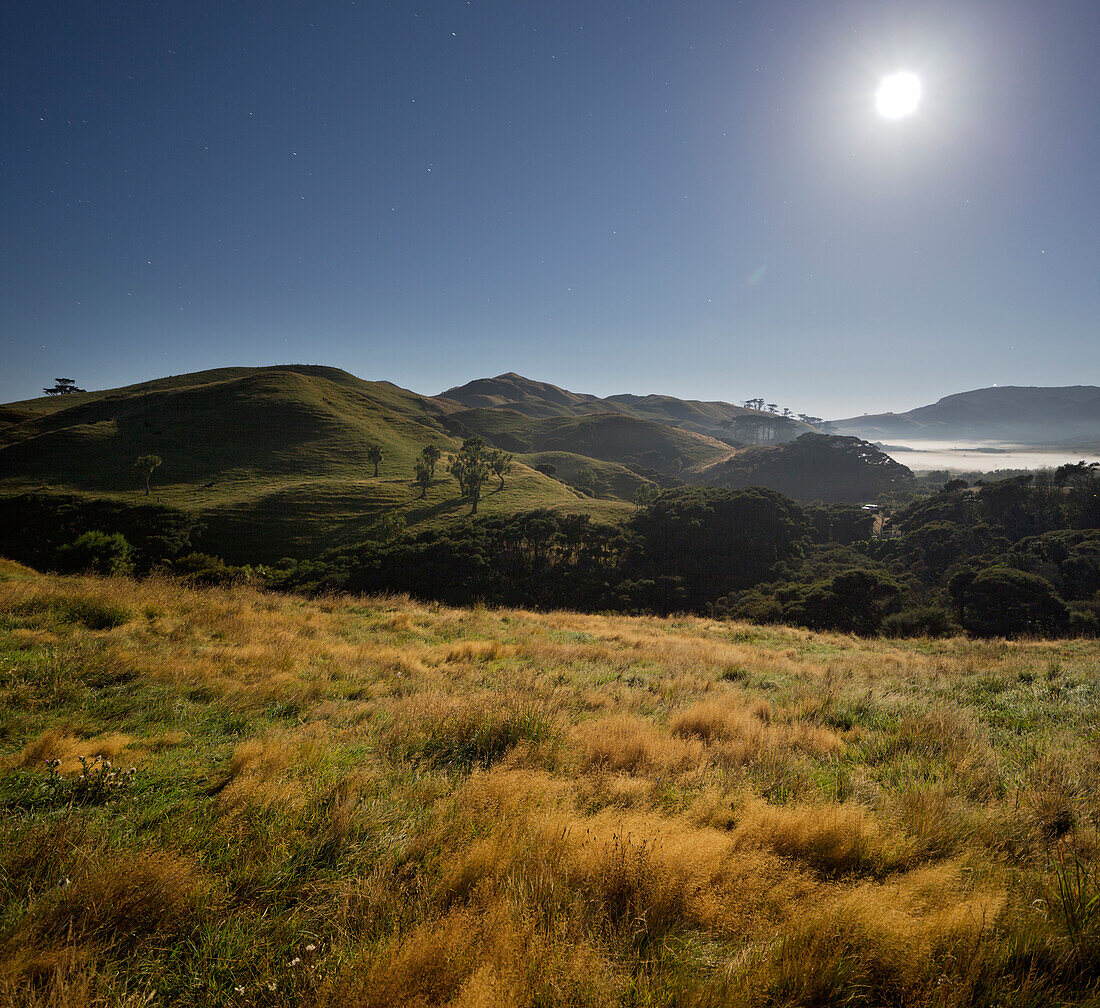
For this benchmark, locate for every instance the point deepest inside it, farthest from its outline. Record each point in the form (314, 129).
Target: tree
(63, 386)
(1004, 602)
(97, 552)
(645, 495)
(1082, 481)
(390, 526)
(457, 468)
(423, 476)
(855, 601)
(587, 481)
(712, 541)
(145, 466)
(500, 463)
(374, 457)
(472, 470)
(430, 454)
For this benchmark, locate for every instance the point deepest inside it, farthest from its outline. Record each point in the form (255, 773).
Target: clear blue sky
(694, 198)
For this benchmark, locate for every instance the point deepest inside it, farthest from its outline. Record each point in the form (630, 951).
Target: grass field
(375, 802)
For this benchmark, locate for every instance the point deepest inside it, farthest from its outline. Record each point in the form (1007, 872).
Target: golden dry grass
(375, 801)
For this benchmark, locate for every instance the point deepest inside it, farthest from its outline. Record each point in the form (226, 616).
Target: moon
(898, 95)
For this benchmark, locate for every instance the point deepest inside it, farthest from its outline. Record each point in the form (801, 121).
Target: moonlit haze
(842, 207)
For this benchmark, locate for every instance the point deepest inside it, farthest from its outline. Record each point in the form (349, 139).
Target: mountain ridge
(1026, 414)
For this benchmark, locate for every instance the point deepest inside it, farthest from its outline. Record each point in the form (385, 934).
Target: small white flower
(239, 990)
(311, 948)
(294, 962)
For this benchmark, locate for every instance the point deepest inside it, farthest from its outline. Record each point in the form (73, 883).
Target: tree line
(1010, 557)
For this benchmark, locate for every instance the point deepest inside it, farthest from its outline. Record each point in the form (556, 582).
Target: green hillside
(716, 419)
(522, 395)
(273, 460)
(640, 445)
(609, 478)
(537, 399)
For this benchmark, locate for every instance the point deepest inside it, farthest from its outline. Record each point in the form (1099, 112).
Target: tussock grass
(465, 732)
(375, 802)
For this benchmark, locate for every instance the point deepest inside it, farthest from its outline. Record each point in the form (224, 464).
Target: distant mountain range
(1057, 417)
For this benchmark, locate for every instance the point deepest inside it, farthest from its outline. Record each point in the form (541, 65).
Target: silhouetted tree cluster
(62, 386)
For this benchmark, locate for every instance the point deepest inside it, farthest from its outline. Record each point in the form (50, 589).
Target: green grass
(612, 479)
(611, 437)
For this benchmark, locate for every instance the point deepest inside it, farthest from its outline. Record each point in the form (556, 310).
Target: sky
(690, 198)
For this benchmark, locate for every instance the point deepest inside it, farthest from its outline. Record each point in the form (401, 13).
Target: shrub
(98, 553)
(1083, 622)
(924, 621)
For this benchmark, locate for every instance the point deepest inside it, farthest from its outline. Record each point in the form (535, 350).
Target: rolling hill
(1056, 417)
(538, 399)
(273, 460)
(641, 445)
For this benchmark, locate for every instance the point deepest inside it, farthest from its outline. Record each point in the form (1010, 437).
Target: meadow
(373, 801)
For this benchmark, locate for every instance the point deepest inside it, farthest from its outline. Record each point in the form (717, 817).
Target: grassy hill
(274, 460)
(371, 802)
(539, 399)
(609, 478)
(639, 445)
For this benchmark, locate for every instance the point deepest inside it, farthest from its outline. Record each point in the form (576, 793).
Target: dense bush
(856, 601)
(713, 541)
(96, 553)
(1002, 602)
(34, 528)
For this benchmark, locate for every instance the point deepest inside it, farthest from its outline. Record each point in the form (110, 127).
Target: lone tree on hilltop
(500, 463)
(374, 457)
(423, 476)
(63, 386)
(430, 454)
(145, 466)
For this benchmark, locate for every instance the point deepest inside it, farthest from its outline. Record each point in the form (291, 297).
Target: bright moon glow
(898, 95)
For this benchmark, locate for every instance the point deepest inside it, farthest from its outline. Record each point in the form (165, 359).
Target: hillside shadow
(428, 511)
